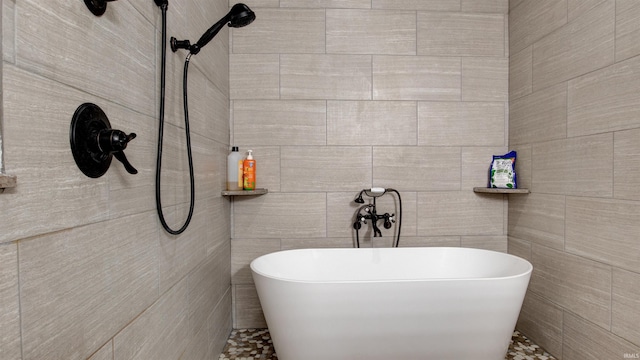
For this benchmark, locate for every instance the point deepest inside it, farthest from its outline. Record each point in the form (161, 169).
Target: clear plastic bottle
(234, 170)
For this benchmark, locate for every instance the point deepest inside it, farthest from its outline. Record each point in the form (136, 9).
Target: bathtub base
(372, 324)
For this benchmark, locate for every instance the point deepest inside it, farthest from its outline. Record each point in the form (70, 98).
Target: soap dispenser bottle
(249, 173)
(234, 170)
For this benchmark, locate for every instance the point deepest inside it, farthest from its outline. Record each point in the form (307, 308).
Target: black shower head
(359, 199)
(240, 15)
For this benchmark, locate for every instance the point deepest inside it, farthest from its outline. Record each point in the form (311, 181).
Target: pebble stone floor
(256, 344)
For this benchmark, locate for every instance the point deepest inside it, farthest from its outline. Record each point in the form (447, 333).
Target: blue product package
(502, 173)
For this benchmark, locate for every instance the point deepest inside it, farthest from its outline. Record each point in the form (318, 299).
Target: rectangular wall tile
(282, 31)
(459, 213)
(461, 123)
(541, 116)
(370, 123)
(519, 247)
(604, 230)
(626, 170)
(220, 324)
(177, 257)
(577, 8)
(80, 286)
(416, 78)
(485, 79)
(538, 218)
(333, 4)
(532, 20)
(261, 3)
(367, 32)
(577, 284)
(335, 168)
(9, 303)
(581, 46)
(493, 243)
(626, 301)
(605, 100)
(127, 81)
(541, 320)
(159, 332)
(8, 31)
(280, 216)
(244, 251)
(514, 3)
(627, 29)
(523, 165)
(461, 34)
(28, 131)
(430, 241)
(341, 216)
(578, 166)
(317, 243)
(437, 168)
(279, 122)
(254, 76)
(582, 340)
(431, 5)
(105, 353)
(521, 73)
(248, 312)
(207, 285)
(340, 77)
(488, 6)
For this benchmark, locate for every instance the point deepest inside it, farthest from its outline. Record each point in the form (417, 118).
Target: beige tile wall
(86, 272)
(337, 96)
(573, 116)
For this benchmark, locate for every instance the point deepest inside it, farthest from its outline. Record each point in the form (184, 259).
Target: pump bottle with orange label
(249, 173)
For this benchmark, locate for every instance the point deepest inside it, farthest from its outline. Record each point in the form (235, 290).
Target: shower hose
(161, 133)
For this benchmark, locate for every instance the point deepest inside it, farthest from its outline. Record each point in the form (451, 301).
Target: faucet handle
(111, 140)
(123, 159)
(114, 142)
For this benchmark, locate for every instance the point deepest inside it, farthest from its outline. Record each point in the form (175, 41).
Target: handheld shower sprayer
(240, 15)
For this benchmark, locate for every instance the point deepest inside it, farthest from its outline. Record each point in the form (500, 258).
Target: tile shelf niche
(487, 190)
(245, 192)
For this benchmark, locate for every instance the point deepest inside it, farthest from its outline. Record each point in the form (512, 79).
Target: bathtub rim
(525, 273)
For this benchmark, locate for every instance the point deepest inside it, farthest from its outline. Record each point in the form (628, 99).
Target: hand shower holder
(97, 7)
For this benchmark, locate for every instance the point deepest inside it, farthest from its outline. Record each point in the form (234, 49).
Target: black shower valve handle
(123, 159)
(111, 141)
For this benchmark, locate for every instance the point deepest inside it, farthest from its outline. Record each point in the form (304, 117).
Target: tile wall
(575, 122)
(86, 271)
(337, 96)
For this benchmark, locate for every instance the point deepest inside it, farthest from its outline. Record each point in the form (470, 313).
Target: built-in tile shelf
(487, 190)
(7, 181)
(245, 192)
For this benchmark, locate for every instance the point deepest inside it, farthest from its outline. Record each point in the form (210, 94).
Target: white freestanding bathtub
(391, 303)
